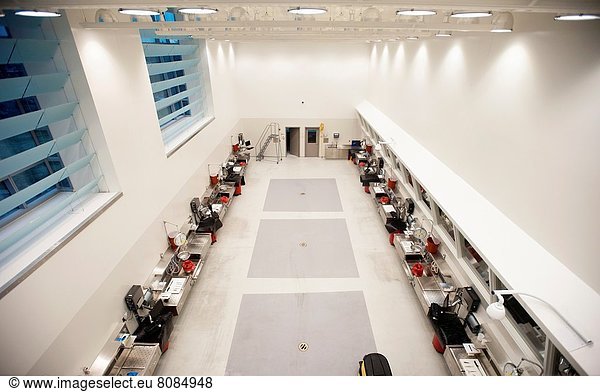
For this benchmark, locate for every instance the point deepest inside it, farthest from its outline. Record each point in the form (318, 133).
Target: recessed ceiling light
(307, 11)
(377, 40)
(198, 11)
(412, 38)
(136, 12)
(414, 12)
(501, 30)
(442, 34)
(577, 17)
(37, 14)
(471, 14)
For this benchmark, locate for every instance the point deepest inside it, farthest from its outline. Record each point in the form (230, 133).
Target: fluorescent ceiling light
(198, 11)
(38, 14)
(412, 38)
(307, 11)
(136, 12)
(501, 30)
(577, 17)
(471, 14)
(443, 34)
(414, 12)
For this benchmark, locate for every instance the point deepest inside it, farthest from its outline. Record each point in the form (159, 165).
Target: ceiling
(345, 20)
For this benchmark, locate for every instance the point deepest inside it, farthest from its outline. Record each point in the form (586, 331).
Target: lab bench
(139, 360)
(461, 363)
(431, 287)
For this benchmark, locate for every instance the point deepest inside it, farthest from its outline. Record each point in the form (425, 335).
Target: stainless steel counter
(461, 363)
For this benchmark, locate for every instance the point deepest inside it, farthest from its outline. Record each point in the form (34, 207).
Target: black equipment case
(374, 364)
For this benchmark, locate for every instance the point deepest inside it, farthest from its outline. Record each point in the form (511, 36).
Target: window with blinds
(45, 152)
(178, 73)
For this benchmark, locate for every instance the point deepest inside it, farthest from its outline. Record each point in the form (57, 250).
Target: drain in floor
(302, 193)
(303, 346)
(303, 244)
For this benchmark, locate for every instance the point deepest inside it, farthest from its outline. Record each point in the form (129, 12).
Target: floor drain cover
(303, 244)
(303, 193)
(303, 346)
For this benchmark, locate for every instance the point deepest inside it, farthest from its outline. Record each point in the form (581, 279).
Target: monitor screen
(356, 143)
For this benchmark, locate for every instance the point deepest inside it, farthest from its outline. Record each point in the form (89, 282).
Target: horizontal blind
(13, 126)
(33, 190)
(163, 103)
(158, 68)
(168, 50)
(166, 84)
(48, 214)
(13, 164)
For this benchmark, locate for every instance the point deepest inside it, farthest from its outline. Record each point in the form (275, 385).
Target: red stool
(238, 190)
(367, 190)
(213, 238)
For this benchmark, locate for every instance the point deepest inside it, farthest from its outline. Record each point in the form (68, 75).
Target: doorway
(312, 142)
(292, 140)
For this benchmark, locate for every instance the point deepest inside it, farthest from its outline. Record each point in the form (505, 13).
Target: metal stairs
(271, 134)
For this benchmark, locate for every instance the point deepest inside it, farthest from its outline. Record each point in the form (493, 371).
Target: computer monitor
(356, 143)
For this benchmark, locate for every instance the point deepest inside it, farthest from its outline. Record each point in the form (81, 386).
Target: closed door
(312, 142)
(293, 140)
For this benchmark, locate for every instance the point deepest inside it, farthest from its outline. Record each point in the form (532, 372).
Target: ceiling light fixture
(443, 34)
(412, 38)
(496, 310)
(577, 17)
(502, 23)
(198, 11)
(477, 14)
(307, 11)
(138, 12)
(38, 13)
(2, 14)
(414, 12)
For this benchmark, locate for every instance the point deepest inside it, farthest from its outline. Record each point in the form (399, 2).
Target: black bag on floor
(374, 364)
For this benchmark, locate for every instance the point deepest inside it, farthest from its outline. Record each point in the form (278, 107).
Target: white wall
(300, 84)
(58, 319)
(274, 78)
(517, 116)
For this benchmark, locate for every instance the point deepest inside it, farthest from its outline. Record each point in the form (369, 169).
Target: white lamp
(496, 310)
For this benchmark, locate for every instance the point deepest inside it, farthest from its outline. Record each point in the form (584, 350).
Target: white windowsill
(184, 136)
(25, 256)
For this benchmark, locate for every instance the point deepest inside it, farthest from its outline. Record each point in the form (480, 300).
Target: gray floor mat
(303, 194)
(270, 327)
(303, 248)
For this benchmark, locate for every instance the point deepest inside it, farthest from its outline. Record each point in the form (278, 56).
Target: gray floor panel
(303, 248)
(270, 327)
(304, 195)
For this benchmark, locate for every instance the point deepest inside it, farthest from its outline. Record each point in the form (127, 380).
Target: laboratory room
(291, 188)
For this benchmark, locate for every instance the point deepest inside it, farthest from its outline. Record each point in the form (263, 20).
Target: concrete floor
(204, 332)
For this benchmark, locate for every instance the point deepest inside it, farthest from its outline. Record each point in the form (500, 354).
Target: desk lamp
(497, 311)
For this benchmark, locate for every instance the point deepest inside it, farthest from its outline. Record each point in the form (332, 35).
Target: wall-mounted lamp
(497, 311)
